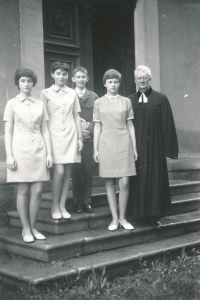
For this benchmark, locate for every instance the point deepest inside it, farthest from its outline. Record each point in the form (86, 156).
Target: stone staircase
(72, 246)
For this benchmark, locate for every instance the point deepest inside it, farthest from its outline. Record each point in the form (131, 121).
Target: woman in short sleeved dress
(65, 132)
(28, 150)
(115, 145)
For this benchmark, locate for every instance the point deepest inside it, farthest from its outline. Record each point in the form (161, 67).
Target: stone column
(21, 34)
(147, 38)
(32, 49)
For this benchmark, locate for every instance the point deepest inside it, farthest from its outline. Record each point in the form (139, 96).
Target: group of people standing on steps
(130, 138)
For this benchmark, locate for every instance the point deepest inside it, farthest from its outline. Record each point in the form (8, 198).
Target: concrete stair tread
(186, 161)
(95, 191)
(185, 197)
(34, 273)
(181, 218)
(13, 235)
(102, 190)
(174, 183)
(88, 241)
(54, 241)
(45, 215)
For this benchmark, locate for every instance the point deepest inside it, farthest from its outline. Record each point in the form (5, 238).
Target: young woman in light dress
(115, 145)
(65, 132)
(28, 151)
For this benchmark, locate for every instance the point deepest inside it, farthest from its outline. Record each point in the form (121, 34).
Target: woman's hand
(96, 156)
(49, 161)
(86, 134)
(11, 163)
(80, 145)
(135, 154)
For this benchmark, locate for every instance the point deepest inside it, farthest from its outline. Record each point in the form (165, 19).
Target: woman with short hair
(115, 145)
(28, 150)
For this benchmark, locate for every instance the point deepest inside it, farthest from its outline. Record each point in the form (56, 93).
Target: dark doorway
(98, 35)
(113, 45)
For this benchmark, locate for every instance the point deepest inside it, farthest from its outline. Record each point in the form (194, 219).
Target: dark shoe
(79, 209)
(88, 208)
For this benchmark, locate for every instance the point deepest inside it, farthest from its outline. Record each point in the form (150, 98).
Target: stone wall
(179, 40)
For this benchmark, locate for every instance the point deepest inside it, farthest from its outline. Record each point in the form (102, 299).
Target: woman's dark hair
(21, 72)
(60, 65)
(110, 74)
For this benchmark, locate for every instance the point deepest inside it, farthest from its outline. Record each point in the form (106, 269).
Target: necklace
(112, 99)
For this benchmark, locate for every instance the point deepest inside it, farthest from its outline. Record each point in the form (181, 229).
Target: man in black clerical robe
(156, 139)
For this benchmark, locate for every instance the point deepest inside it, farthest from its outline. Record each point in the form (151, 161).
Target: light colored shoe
(113, 227)
(56, 216)
(126, 226)
(27, 238)
(66, 215)
(39, 236)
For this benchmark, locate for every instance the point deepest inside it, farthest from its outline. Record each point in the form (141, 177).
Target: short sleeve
(8, 113)
(96, 115)
(43, 98)
(45, 116)
(77, 107)
(129, 110)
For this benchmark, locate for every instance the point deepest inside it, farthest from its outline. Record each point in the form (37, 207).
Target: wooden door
(67, 36)
(113, 46)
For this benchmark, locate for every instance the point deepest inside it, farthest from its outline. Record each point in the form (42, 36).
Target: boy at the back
(82, 172)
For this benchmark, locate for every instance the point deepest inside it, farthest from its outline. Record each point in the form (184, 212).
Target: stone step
(177, 187)
(65, 246)
(97, 182)
(100, 217)
(29, 274)
(186, 167)
(98, 199)
(180, 187)
(186, 202)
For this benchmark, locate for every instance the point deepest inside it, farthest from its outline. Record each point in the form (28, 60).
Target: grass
(168, 280)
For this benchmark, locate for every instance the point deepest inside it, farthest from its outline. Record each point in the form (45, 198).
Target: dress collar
(147, 93)
(22, 98)
(56, 88)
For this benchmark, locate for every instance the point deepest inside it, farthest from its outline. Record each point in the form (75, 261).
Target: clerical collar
(147, 93)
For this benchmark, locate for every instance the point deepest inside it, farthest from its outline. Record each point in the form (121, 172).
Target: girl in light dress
(28, 151)
(65, 132)
(115, 145)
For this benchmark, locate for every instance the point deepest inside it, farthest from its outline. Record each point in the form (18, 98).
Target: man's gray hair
(144, 69)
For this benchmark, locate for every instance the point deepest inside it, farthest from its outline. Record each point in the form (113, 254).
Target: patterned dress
(61, 104)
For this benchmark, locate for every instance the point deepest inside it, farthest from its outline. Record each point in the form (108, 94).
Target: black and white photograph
(99, 150)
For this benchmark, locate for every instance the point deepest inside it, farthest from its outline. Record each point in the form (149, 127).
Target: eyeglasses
(142, 78)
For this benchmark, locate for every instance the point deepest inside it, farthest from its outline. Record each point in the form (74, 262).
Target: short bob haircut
(144, 69)
(59, 65)
(110, 74)
(21, 72)
(80, 69)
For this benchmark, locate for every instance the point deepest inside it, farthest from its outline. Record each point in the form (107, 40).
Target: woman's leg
(35, 201)
(22, 207)
(65, 188)
(111, 195)
(57, 184)
(123, 197)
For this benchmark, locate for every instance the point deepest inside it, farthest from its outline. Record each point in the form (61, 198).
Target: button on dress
(115, 147)
(61, 104)
(28, 146)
